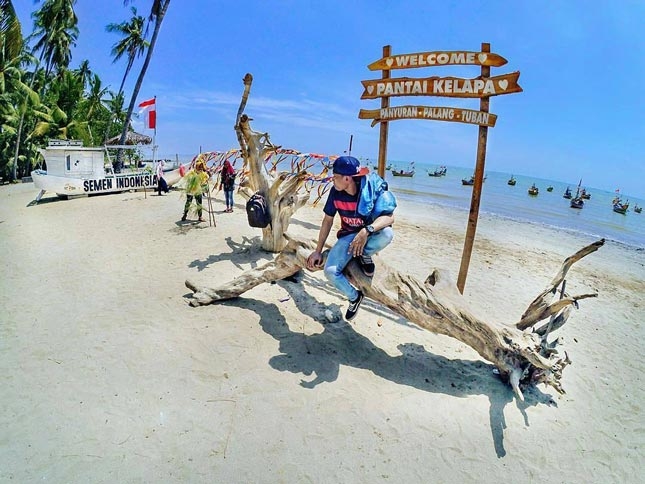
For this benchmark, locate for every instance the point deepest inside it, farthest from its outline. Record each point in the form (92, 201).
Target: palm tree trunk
(22, 120)
(158, 20)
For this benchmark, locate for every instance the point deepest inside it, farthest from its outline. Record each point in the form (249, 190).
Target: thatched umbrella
(132, 138)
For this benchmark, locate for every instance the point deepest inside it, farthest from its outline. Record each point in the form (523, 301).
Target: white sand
(108, 375)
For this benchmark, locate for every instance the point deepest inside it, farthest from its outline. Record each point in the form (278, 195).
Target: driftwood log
(282, 191)
(521, 352)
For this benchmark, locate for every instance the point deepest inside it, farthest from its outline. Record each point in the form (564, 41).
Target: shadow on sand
(339, 344)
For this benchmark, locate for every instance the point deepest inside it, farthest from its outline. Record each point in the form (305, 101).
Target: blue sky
(582, 64)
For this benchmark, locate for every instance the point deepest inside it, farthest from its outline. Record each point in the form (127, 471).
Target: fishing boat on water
(584, 194)
(533, 190)
(441, 171)
(637, 209)
(618, 205)
(577, 201)
(549, 188)
(567, 193)
(511, 181)
(407, 173)
(471, 181)
(77, 170)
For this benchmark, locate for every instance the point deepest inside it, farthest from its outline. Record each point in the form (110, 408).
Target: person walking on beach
(161, 182)
(228, 184)
(366, 210)
(196, 185)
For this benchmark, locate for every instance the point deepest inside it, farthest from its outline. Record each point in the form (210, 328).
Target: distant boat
(585, 194)
(441, 171)
(567, 193)
(512, 181)
(533, 190)
(577, 201)
(637, 209)
(471, 181)
(409, 173)
(620, 207)
(549, 188)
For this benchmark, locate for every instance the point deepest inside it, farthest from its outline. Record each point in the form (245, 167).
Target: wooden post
(484, 104)
(383, 128)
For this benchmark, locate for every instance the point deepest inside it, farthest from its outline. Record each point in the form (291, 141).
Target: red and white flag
(149, 112)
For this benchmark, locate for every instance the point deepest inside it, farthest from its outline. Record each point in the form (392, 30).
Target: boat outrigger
(76, 170)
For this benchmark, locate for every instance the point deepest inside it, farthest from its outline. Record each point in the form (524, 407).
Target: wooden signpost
(434, 113)
(482, 87)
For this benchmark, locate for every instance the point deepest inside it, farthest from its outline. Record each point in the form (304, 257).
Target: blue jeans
(228, 195)
(339, 257)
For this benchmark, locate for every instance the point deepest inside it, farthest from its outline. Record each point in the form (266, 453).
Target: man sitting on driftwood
(366, 210)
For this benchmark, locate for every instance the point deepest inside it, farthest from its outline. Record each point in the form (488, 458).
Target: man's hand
(314, 260)
(358, 244)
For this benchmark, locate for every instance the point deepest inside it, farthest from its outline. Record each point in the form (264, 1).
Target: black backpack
(257, 211)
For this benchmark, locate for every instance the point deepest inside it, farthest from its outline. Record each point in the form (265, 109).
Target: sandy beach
(108, 375)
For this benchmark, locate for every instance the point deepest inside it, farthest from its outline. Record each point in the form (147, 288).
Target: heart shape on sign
(370, 89)
(482, 58)
(389, 62)
(503, 84)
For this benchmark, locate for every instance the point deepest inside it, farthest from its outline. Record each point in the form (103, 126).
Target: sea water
(597, 219)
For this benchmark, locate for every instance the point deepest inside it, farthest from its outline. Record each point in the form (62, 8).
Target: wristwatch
(370, 229)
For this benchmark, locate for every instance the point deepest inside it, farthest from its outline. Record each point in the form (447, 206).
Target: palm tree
(59, 119)
(94, 109)
(157, 13)
(11, 42)
(56, 23)
(11, 75)
(133, 42)
(84, 73)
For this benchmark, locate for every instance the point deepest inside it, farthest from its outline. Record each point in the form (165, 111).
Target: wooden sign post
(383, 128)
(473, 215)
(482, 87)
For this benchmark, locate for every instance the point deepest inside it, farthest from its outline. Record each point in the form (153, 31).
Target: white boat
(75, 170)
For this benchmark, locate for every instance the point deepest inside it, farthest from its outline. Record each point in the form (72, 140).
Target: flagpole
(154, 137)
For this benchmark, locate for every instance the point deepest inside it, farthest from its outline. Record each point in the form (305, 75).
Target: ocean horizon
(597, 219)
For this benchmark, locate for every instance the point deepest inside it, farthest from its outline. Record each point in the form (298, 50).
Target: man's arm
(315, 258)
(358, 244)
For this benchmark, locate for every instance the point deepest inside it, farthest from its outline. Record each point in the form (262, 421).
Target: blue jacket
(375, 199)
